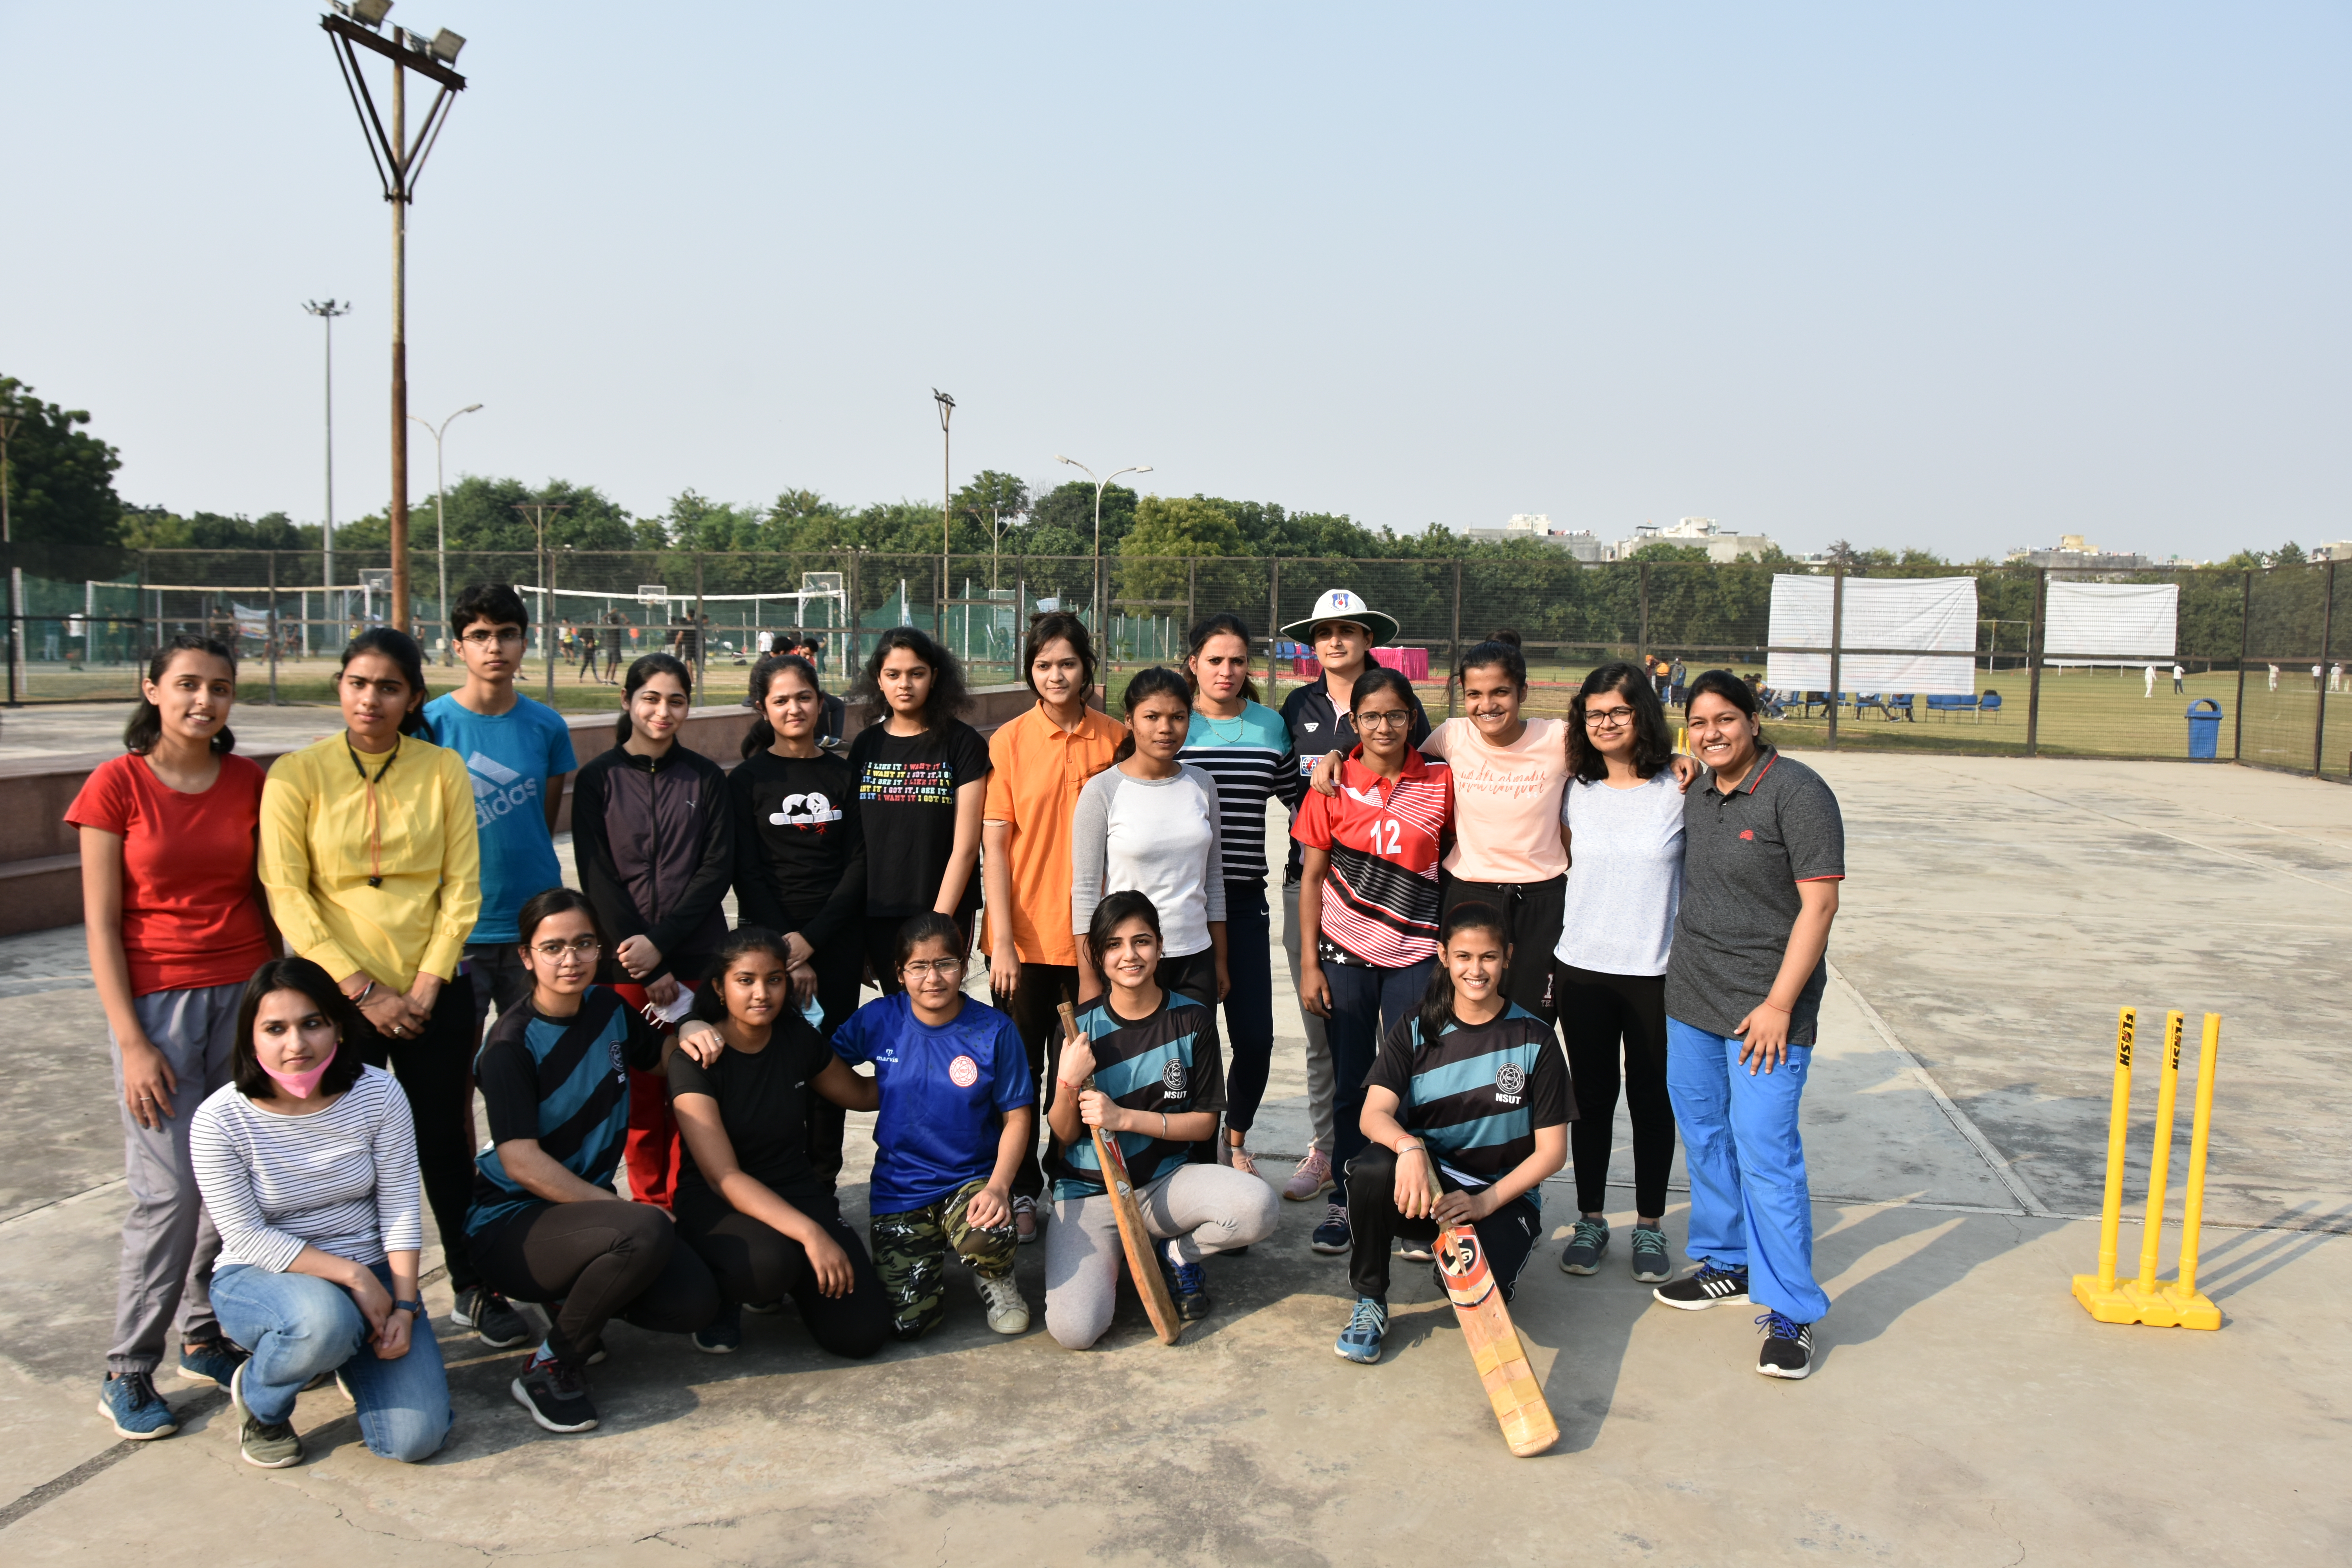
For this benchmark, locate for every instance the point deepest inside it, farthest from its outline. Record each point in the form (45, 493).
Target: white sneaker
(1007, 1312)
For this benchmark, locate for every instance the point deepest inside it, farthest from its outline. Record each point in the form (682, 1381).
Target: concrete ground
(1965, 1411)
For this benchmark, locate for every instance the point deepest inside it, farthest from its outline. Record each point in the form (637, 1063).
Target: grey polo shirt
(1743, 855)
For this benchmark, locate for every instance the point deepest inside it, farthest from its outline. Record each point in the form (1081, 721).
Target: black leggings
(1508, 1234)
(600, 1261)
(1035, 1008)
(837, 965)
(436, 1069)
(753, 1262)
(1596, 1012)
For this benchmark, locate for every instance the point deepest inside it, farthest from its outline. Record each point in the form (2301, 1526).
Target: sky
(1957, 278)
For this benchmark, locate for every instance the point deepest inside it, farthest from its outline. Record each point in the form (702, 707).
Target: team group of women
(1459, 903)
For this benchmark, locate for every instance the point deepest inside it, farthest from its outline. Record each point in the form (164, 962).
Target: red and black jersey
(1385, 837)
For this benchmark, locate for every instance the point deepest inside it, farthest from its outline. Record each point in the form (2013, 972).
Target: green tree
(62, 510)
(1062, 521)
(1168, 534)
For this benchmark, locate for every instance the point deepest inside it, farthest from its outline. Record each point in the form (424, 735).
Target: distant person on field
(2274, 670)
(1676, 673)
(2315, 673)
(2336, 676)
(616, 625)
(2148, 681)
(2178, 673)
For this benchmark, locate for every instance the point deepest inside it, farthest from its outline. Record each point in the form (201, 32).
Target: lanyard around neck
(374, 811)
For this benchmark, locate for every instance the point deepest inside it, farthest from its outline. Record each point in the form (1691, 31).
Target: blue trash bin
(2204, 730)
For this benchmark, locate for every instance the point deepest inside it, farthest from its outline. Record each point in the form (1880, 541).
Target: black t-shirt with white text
(798, 863)
(907, 808)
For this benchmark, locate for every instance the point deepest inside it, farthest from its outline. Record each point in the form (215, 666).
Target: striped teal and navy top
(1477, 1093)
(559, 1082)
(1168, 1062)
(1251, 758)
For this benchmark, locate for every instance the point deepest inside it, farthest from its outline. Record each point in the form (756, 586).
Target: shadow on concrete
(2250, 1257)
(1943, 1249)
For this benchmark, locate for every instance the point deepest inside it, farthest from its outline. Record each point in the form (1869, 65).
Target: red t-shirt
(191, 911)
(1385, 835)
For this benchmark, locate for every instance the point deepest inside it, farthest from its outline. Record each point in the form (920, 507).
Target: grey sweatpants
(1322, 1083)
(1205, 1208)
(168, 1240)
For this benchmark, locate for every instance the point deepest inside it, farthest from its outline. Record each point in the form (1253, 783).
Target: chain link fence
(2258, 655)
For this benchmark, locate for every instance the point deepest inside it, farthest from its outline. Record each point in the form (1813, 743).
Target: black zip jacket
(655, 847)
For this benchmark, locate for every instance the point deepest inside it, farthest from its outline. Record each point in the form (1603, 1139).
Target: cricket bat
(1142, 1264)
(1495, 1348)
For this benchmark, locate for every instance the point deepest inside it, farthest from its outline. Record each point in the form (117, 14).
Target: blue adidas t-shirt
(509, 756)
(944, 1091)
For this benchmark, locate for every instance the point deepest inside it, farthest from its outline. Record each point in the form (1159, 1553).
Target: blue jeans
(1750, 1206)
(297, 1326)
(1364, 1002)
(1249, 1005)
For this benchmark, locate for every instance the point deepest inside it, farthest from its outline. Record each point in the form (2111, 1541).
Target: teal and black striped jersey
(1168, 1062)
(1251, 758)
(561, 1082)
(1476, 1094)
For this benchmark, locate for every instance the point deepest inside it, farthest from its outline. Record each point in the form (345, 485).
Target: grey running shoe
(1585, 1245)
(1652, 1263)
(270, 1445)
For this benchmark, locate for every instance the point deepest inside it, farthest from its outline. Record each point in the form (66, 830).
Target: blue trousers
(296, 1326)
(1364, 1002)
(1750, 1206)
(1249, 1005)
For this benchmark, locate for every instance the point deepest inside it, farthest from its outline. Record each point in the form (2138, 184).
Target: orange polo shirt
(1037, 771)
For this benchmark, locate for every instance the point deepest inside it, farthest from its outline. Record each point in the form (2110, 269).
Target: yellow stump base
(2190, 1309)
(2166, 1307)
(2110, 1306)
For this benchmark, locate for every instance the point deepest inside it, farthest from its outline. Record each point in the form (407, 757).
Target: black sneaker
(556, 1395)
(1788, 1348)
(1710, 1287)
(723, 1335)
(492, 1321)
(1187, 1282)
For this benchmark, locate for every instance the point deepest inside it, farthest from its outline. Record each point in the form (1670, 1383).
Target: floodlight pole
(947, 498)
(399, 160)
(11, 414)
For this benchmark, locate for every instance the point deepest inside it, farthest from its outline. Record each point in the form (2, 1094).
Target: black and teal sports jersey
(561, 1082)
(1477, 1093)
(1168, 1062)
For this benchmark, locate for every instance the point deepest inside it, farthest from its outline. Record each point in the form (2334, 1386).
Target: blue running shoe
(1360, 1341)
(137, 1411)
(1333, 1234)
(213, 1362)
(1651, 1262)
(1585, 1245)
(1187, 1282)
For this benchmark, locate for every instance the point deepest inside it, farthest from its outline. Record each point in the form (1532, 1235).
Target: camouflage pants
(910, 1253)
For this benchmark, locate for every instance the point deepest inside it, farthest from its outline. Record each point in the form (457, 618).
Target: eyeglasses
(478, 637)
(1401, 719)
(1608, 719)
(584, 947)
(942, 967)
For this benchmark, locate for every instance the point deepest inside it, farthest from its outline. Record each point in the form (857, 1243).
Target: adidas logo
(498, 789)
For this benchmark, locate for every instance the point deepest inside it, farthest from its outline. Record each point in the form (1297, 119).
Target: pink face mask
(302, 1085)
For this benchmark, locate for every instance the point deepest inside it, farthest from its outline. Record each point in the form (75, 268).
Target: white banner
(1935, 615)
(2115, 620)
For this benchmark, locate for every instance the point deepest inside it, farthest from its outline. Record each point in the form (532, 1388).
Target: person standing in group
(750, 1202)
(654, 842)
(1622, 824)
(1245, 747)
(617, 630)
(176, 924)
(1149, 824)
(800, 862)
(1676, 673)
(1369, 902)
(1467, 1098)
(307, 1160)
(922, 786)
(835, 724)
(1144, 1070)
(1037, 765)
(545, 1222)
(586, 645)
(517, 752)
(1343, 630)
(373, 871)
(958, 1115)
(1764, 851)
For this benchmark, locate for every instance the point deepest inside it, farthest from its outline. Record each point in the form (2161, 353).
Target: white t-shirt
(1625, 876)
(1160, 838)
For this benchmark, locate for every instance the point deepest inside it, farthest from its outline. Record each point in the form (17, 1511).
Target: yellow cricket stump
(2144, 1299)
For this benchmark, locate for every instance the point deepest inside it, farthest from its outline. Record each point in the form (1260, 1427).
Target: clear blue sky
(1959, 277)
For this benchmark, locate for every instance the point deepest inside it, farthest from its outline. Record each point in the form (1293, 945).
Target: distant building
(2339, 550)
(1583, 545)
(2073, 554)
(1721, 544)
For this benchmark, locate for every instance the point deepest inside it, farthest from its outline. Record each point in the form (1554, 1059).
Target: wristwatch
(414, 1309)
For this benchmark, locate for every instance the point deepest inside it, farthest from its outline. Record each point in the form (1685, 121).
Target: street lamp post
(536, 511)
(947, 496)
(399, 160)
(441, 520)
(327, 310)
(11, 416)
(1101, 624)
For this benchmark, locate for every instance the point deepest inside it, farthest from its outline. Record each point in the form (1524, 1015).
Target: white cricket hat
(1342, 605)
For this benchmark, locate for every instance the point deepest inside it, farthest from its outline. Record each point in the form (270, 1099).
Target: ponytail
(1157, 681)
(1436, 1013)
(762, 734)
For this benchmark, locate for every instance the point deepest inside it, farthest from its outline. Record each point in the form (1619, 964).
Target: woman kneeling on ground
(750, 1202)
(1145, 1068)
(307, 1161)
(1469, 1096)
(546, 1224)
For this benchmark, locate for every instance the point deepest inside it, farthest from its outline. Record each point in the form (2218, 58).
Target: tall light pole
(536, 511)
(12, 414)
(441, 518)
(399, 160)
(947, 496)
(1099, 486)
(327, 310)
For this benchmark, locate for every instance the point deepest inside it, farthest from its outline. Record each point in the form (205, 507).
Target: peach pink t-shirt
(1506, 801)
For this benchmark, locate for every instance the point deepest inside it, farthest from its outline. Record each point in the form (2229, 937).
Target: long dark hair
(762, 734)
(1219, 625)
(146, 726)
(646, 667)
(401, 648)
(1157, 681)
(1115, 911)
(302, 975)
(1654, 744)
(710, 1001)
(949, 696)
(1437, 1002)
(1502, 649)
(1055, 626)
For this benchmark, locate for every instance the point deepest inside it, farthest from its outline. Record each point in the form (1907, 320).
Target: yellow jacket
(315, 861)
